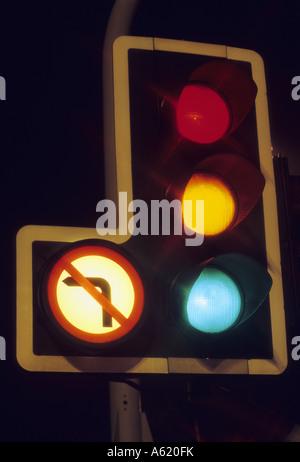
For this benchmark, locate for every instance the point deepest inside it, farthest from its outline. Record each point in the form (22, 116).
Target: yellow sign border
(25, 355)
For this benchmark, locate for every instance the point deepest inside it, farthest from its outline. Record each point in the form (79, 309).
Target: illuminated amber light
(219, 203)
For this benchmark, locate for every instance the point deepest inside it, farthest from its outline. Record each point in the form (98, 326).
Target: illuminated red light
(202, 114)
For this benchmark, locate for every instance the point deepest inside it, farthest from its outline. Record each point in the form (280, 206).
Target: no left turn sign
(95, 294)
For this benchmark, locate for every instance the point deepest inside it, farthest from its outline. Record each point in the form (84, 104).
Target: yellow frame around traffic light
(123, 151)
(122, 178)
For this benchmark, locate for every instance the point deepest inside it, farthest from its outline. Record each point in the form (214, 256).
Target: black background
(52, 174)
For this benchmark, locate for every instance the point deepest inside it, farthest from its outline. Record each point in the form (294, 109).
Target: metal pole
(118, 24)
(127, 421)
(125, 413)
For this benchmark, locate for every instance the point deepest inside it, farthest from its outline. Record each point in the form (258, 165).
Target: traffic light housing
(191, 124)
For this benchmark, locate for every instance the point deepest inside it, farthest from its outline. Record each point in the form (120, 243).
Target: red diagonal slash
(91, 289)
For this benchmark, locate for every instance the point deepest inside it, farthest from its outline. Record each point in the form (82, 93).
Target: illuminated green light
(214, 303)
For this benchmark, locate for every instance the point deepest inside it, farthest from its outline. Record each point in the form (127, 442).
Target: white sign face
(81, 309)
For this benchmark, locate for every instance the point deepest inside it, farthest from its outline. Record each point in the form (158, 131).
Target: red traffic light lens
(202, 114)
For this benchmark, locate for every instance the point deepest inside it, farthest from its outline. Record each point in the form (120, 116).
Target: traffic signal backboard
(191, 128)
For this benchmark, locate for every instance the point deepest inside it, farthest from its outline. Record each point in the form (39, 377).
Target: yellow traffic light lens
(214, 303)
(219, 203)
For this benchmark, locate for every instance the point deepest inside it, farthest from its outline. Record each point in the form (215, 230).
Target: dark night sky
(51, 141)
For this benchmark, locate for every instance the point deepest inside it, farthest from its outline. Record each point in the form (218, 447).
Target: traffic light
(183, 274)
(198, 132)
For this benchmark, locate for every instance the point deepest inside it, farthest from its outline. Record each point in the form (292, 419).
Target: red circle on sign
(65, 264)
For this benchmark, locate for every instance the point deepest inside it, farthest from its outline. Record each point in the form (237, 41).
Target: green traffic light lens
(214, 303)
